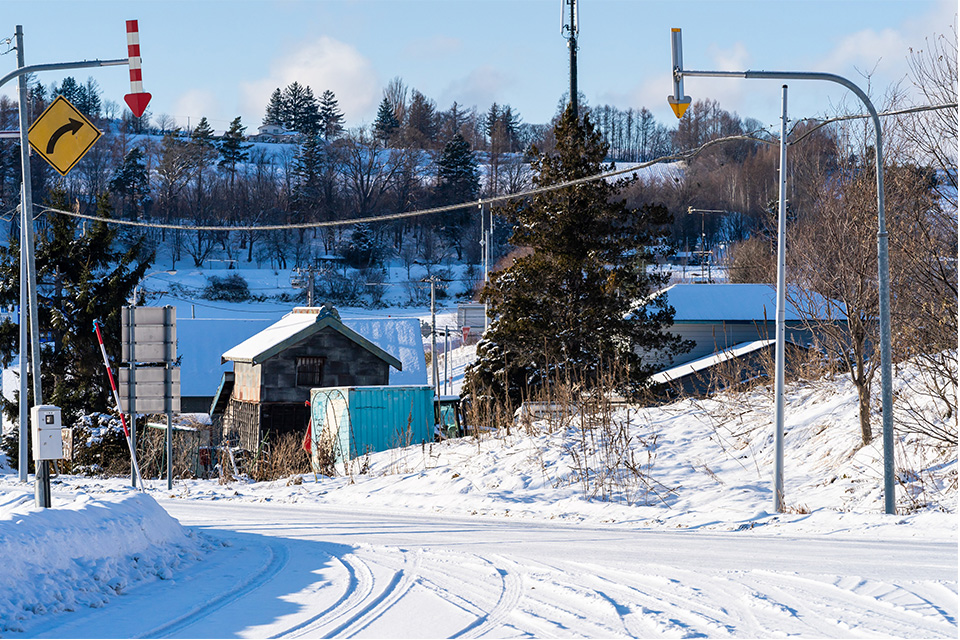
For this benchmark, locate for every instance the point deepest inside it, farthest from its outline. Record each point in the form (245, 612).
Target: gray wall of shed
(346, 364)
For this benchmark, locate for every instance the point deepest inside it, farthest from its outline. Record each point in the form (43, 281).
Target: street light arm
(59, 66)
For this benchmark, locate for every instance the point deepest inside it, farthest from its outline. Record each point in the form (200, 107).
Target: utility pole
(433, 335)
(446, 360)
(704, 252)
(781, 316)
(571, 27)
(29, 281)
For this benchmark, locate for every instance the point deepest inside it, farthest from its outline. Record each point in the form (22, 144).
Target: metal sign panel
(150, 385)
(62, 135)
(154, 332)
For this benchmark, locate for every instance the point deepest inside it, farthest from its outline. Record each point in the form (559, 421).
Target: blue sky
(223, 58)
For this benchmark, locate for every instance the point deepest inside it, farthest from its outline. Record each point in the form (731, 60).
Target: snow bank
(700, 465)
(82, 553)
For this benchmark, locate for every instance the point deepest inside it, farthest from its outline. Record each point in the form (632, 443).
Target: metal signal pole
(571, 28)
(679, 103)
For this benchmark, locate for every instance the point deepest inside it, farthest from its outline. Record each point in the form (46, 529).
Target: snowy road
(310, 571)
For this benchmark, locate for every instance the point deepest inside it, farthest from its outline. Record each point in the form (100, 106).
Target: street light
(678, 102)
(136, 287)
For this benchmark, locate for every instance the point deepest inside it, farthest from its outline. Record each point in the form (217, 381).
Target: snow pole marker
(116, 398)
(137, 99)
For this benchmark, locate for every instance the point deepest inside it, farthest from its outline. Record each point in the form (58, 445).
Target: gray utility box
(47, 436)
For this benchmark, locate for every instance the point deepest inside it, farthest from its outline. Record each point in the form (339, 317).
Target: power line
(686, 155)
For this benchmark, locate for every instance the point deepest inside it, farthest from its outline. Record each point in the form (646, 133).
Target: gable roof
(727, 303)
(295, 327)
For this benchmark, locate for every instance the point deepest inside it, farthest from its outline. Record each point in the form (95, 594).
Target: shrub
(232, 288)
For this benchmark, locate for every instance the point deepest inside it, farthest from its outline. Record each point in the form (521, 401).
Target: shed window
(309, 372)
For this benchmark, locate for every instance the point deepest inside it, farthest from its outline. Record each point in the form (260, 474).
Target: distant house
(718, 316)
(275, 370)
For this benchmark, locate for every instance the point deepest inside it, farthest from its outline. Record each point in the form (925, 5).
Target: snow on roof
(202, 342)
(725, 302)
(696, 366)
(285, 328)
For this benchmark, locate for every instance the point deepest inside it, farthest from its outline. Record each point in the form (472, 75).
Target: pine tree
(307, 189)
(300, 109)
(82, 276)
(386, 124)
(330, 116)
(202, 135)
(570, 307)
(232, 148)
(130, 182)
(274, 113)
(458, 174)
(458, 180)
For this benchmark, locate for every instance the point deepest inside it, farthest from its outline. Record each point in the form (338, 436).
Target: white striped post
(137, 99)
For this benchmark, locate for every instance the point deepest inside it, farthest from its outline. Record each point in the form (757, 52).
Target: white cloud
(197, 103)
(481, 87)
(735, 58)
(321, 64)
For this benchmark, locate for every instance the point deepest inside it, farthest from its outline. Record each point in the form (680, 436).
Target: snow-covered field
(514, 535)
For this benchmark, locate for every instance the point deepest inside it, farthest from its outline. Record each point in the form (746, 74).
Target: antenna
(570, 21)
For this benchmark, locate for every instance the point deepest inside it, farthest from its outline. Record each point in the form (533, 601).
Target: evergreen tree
(81, 276)
(131, 183)
(458, 174)
(89, 99)
(275, 112)
(458, 180)
(307, 188)
(232, 148)
(421, 127)
(202, 135)
(330, 116)
(69, 89)
(569, 308)
(386, 124)
(300, 109)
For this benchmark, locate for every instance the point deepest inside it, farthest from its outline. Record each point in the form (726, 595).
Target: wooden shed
(275, 370)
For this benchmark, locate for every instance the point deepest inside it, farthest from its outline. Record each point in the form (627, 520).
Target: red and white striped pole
(116, 399)
(137, 99)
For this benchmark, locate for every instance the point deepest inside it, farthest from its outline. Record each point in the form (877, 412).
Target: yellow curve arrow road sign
(62, 135)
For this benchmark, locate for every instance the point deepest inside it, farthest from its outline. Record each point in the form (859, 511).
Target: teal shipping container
(347, 422)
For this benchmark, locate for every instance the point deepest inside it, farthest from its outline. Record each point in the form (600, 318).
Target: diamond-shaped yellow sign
(62, 135)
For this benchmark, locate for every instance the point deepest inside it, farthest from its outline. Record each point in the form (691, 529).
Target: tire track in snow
(863, 603)
(399, 585)
(279, 555)
(358, 590)
(510, 593)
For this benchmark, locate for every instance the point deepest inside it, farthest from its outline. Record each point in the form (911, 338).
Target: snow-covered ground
(519, 535)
